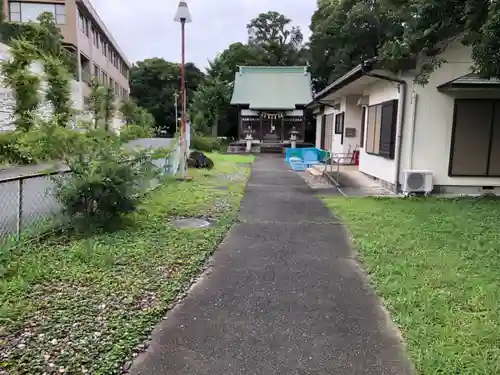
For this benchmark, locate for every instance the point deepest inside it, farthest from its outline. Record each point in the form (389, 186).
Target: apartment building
(86, 35)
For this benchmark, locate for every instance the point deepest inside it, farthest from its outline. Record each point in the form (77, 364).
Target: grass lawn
(436, 263)
(81, 305)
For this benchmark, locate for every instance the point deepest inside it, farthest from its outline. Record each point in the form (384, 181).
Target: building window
(381, 129)
(60, 14)
(15, 12)
(87, 27)
(103, 45)
(339, 126)
(104, 78)
(339, 123)
(95, 37)
(81, 22)
(475, 141)
(363, 124)
(328, 124)
(117, 88)
(96, 72)
(26, 12)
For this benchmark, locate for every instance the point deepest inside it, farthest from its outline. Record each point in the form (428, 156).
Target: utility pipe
(414, 98)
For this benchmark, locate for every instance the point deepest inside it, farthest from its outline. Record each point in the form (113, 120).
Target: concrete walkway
(284, 296)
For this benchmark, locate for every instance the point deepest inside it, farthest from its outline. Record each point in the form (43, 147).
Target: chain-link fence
(28, 204)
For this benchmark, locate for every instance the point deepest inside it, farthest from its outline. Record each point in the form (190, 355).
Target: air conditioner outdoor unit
(415, 181)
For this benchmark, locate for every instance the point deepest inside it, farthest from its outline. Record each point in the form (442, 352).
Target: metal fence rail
(28, 203)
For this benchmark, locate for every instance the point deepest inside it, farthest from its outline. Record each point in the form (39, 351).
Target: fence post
(19, 208)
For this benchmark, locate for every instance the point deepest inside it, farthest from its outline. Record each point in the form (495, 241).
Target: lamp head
(183, 14)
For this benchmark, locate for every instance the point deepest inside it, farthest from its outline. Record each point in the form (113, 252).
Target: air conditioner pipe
(400, 122)
(414, 98)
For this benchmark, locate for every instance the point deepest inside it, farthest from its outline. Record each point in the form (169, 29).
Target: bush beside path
(81, 305)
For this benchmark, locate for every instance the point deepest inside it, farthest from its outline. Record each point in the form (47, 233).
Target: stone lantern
(249, 138)
(293, 137)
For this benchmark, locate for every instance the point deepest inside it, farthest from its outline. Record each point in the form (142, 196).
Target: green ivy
(24, 83)
(59, 90)
(37, 42)
(100, 103)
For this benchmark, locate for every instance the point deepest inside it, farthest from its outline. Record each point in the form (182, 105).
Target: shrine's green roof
(272, 87)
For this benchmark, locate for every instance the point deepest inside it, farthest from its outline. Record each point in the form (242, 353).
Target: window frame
(96, 72)
(364, 113)
(54, 12)
(339, 123)
(390, 153)
(494, 103)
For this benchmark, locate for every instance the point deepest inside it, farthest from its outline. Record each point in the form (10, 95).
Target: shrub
(9, 150)
(104, 184)
(49, 142)
(133, 131)
(209, 144)
(205, 144)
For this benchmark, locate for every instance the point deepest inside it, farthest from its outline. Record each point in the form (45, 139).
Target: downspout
(400, 122)
(414, 98)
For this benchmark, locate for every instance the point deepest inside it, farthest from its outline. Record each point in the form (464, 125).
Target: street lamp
(183, 16)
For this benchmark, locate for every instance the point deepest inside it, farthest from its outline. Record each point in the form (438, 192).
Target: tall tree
(347, 32)
(430, 25)
(277, 41)
(225, 64)
(211, 105)
(153, 84)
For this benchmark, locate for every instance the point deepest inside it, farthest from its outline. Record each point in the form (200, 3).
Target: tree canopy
(276, 40)
(225, 64)
(346, 32)
(153, 84)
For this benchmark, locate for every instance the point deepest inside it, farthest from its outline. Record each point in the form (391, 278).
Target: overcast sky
(145, 28)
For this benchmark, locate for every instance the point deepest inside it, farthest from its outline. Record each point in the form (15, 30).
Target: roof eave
(462, 86)
(351, 76)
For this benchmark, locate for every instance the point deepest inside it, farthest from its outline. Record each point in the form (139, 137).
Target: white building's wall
(328, 111)
(434, 121)
(319, 127)
(374, 165)
(337, 147)
(353, 116)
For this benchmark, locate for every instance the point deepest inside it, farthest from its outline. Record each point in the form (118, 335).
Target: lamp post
(176, 114)
(183, 16)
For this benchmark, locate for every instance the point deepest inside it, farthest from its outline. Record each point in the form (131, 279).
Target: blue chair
(292, 152)
(296, 163)
(311, 157)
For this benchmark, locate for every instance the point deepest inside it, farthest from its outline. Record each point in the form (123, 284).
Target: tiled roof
(272, 87)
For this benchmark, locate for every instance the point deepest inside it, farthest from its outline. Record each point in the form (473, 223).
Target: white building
(450, 126)
(7, 102)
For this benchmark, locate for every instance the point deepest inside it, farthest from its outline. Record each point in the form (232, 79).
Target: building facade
(271, 102)
(98, 54)
(449, 127)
